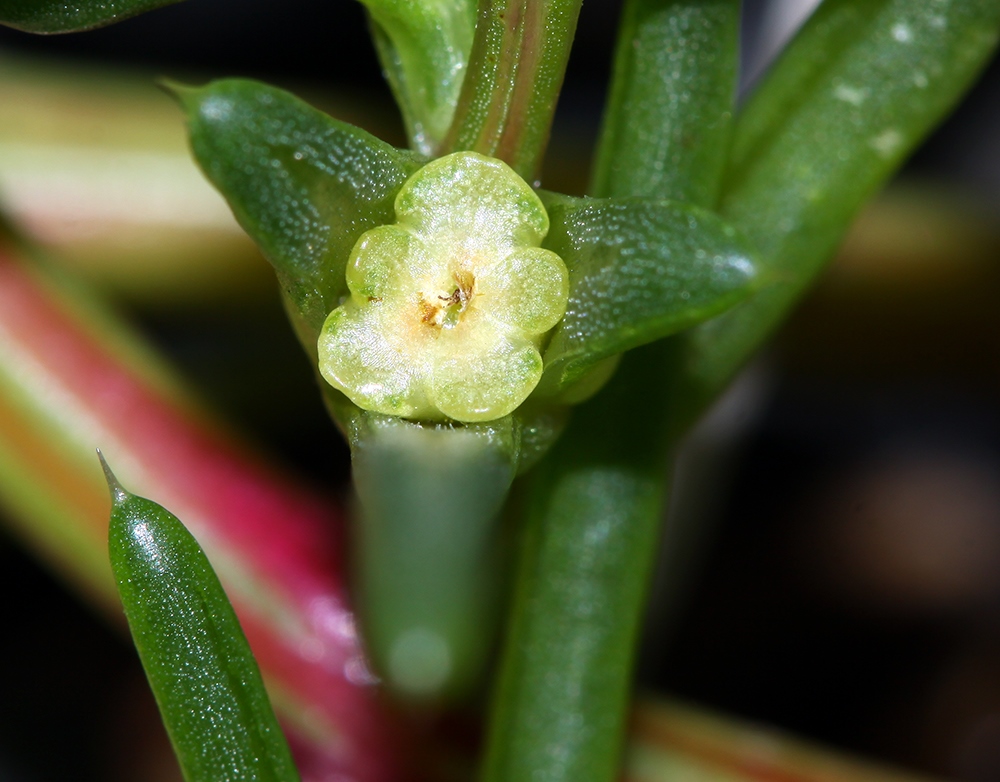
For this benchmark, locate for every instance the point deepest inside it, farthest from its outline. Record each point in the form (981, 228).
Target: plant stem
(562, 699)
(516, 70)
(593, 520)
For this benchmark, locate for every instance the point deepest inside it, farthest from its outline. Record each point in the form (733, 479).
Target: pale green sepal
(473, 201)
(498, 383)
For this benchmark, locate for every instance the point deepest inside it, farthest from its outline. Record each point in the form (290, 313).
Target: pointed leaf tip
(182, 93)
(118, 494)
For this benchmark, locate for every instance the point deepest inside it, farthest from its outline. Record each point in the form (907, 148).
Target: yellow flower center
(446, 310)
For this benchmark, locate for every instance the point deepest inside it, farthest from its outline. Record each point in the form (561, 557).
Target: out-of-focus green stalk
(73, 379)
(560, 708)
(426, 550)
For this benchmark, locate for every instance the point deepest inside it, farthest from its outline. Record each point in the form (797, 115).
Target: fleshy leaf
(302, 184)
(668, 119)
(56, 16)
(639, 270)
(197, 660)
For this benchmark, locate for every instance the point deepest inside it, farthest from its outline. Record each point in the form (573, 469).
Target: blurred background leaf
(51, 16)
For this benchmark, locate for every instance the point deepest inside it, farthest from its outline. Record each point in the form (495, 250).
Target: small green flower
(449, 305)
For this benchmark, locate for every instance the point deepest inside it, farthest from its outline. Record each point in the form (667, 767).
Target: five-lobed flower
(448, 306)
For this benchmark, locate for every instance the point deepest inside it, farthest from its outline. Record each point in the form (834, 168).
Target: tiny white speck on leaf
(902, 33)
(853, 95)
(887, 142)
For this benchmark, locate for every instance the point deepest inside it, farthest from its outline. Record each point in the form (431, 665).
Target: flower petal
(472, 204)
(362, 355)
(384, 262)
(483, 374)
(528, 289)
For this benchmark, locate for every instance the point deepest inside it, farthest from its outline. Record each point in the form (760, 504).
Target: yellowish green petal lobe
(449, 305)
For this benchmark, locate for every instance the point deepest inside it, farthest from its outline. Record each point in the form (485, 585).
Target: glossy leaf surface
(671, 104)
(639, 271)
(198, 662)
(53, 16)
(303, 185)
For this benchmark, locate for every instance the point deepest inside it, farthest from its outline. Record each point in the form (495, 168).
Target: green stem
(670, 110)
(562, 698)
(516, 70)
(595, 505)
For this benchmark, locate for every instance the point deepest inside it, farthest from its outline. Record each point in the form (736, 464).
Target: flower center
(444, 310)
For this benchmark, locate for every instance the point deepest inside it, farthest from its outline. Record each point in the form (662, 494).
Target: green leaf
(639, 270)
(56, 16)
(198, 663)
(424, 48)
(427, 547)
(862, 83)
(302, 184)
